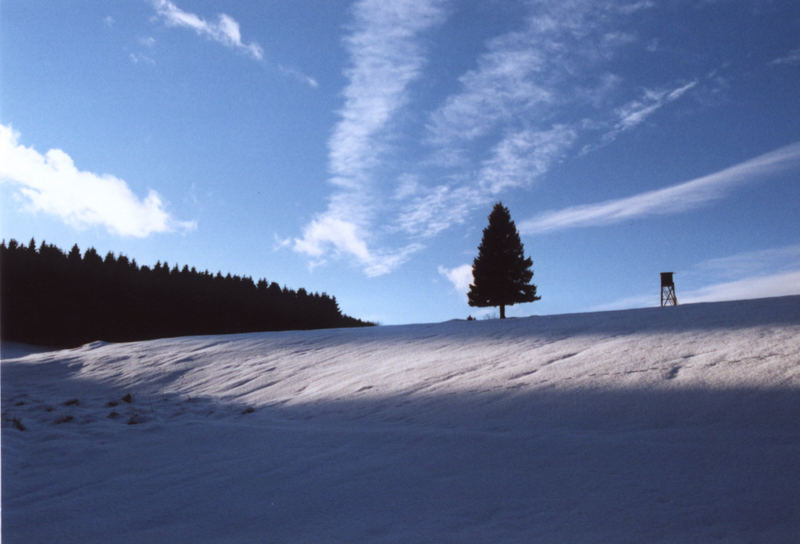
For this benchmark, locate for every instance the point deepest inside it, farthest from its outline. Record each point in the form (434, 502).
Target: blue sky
(358, 148)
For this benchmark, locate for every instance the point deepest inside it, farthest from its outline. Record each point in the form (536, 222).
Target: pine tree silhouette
(501, 273)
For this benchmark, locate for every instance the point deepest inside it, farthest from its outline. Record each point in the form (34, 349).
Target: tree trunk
(502, 311)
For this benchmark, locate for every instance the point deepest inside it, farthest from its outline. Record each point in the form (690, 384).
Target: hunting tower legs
(668, 297)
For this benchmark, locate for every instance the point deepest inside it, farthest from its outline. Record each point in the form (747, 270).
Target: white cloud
(759, 286)
(408, 186)
(633, 113)
(137, 58)
(512, 117)
(460, 276)
(331, 234)
(532, 70)
(225, 30)
(52, 184)
(772, 285)
(503, 84)
(299, 76)
(616, 38)
(108, 20)
(523, 80)
(341, 234)
(792, 57)
(635, 6)
(674, 199)
(435, 209)
(753, 263)
(386, 56)
(522, 156)
(517, 160)
(753, 274)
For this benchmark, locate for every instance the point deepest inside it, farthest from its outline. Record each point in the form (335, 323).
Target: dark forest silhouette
(53, 298)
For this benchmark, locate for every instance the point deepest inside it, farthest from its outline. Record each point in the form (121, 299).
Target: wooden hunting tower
(668, 290)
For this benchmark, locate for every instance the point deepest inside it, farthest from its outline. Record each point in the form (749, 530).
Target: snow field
(658, 425)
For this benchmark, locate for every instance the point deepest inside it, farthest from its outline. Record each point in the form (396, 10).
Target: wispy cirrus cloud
(224, 30)
(635, 112)
(517, 78)
(780, 284)
(763, 286)
(502, 85)
(772, 272)
(138, 58)
(752, 263)
(522, 156)
(635, 6)
(791, 58)
(534, 70)
(432, 210)
(52, 184)
(675, 199)
(514, 162)
(523, 81)
(298, 75)
(511, 119)
(386, 55)
(146, 41)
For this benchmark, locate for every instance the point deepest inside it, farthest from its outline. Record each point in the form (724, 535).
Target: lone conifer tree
(501, 274)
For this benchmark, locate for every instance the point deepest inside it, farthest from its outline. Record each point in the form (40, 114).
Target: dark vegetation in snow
(57, 299)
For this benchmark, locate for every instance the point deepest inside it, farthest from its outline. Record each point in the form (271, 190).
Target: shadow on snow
(551, 466)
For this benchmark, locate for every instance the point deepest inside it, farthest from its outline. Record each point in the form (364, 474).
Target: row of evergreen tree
(49, 297)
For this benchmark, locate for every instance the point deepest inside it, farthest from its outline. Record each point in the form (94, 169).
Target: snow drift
(654, 425)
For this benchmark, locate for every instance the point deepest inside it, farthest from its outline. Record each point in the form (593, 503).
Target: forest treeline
(49, 297)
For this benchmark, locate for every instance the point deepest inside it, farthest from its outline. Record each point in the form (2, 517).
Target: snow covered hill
(656, 425)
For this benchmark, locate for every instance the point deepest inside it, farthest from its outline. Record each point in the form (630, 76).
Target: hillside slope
(659, 425)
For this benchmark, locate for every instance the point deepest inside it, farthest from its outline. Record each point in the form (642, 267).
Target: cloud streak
(502, 85)
(515, 161)
(790, 58)
(298, 75)
(635, 112)
(530, 70)
(522, 156)
(522, 82)
(770, 272)
(517, 112)
(753, 263)
(225, 30)
(386, 56)
(766, 285)
(52, 184)
(675, 199)
(770, 285)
